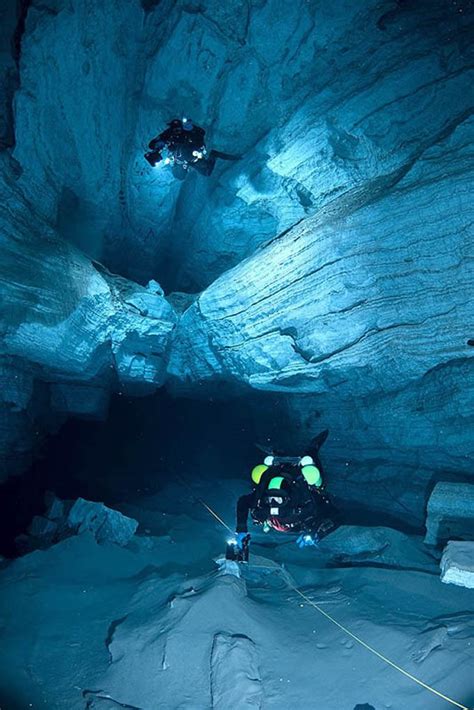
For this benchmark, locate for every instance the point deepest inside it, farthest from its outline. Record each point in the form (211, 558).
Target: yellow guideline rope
(374, 651)
(340, 626)
(199, 500)
(206, 506)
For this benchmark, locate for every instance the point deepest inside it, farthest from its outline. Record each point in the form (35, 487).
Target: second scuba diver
(288, 496)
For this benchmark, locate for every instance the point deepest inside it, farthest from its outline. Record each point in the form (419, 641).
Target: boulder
(450, 513)
(63, 519)
(457, 564)
(357, 543)
(42, 527)
(107, 525)
(352, 545)
(55, 507)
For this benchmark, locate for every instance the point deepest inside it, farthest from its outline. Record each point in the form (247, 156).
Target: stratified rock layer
(450, 513)
(71, 331)
(327, 106)
(351, 208)
(364, 324)
(366, 304)
(457, 564)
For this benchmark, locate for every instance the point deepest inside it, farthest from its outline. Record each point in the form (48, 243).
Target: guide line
(340, 626)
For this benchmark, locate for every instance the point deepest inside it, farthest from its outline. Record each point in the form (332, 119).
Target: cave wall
(328, 106)
(8, 70)
(331, 265)
(71, 332)
(356, 93)
(386, 284)
(74, 110)
(369, 316)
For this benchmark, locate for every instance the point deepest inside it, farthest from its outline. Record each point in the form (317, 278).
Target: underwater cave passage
(236, 377)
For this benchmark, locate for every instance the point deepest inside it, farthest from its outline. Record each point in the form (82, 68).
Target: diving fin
(224, 156)
(319, 440)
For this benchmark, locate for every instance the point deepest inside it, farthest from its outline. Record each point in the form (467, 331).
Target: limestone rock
(55, 507)
(322, 308)
(370, 308)
(353, 545)
(106, 524)
(235, 675)
(346, 118)
(62, 519)
(42, 527)
(450, 513)
(341, 238)
(85, 321)
(71, 332)
(457, 564)
(80, 400)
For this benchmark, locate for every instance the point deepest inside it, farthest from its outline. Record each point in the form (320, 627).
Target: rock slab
(235, 676)
(107, 525)
(457, 564)
(450, 513)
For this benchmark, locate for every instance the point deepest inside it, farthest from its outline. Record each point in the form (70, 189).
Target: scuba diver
(288, 496)
(182, 145)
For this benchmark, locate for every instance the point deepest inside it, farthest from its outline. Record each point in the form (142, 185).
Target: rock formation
(457, 564)
(323, 280)
(71, 331)
(335, 255)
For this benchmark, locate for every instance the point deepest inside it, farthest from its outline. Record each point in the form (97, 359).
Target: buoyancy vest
(283, 499)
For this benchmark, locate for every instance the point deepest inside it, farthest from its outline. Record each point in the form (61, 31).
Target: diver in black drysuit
(186, 148)
(298, 505)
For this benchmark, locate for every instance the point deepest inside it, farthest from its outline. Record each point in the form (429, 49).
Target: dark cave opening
(143, 443)
(146, 442)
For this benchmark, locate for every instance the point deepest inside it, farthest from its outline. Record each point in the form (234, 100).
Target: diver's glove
(240, 537)
(307, 540)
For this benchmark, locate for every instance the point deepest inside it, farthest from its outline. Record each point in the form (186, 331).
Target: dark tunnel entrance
(143, 444)
(147, 442)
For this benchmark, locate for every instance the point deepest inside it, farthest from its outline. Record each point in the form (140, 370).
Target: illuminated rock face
(457, 564)
(334, 255)
(367, 303)
(72, 333)
(328, 107)
(365, 323)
